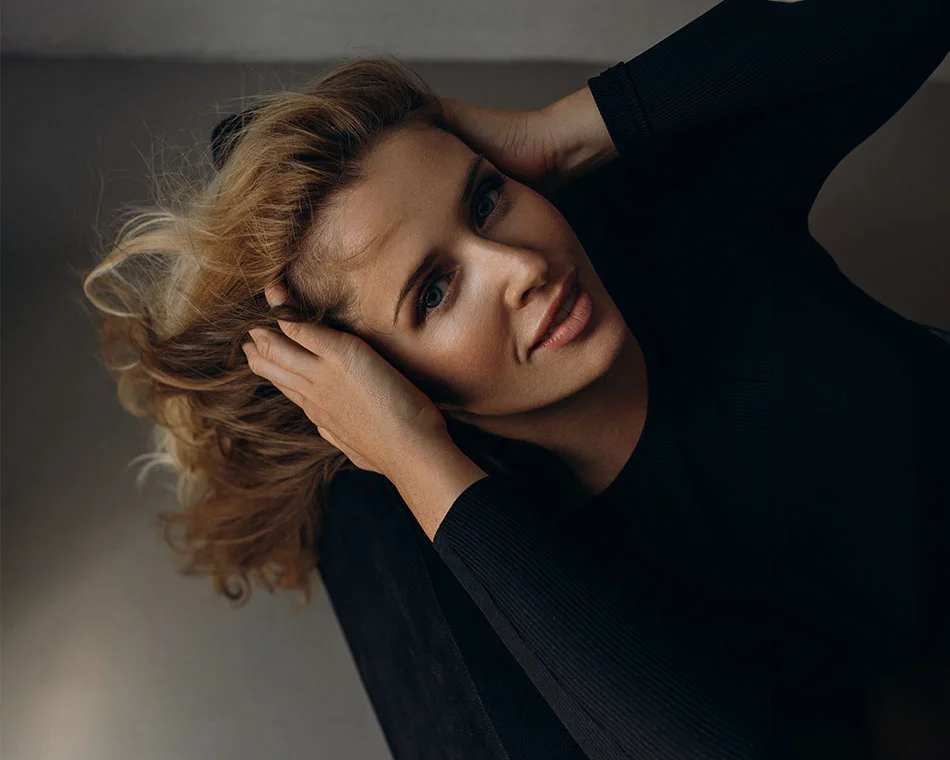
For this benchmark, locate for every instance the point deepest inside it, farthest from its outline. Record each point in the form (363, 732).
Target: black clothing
(782, 525)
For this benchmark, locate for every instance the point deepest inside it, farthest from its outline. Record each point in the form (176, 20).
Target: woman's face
(464, 331)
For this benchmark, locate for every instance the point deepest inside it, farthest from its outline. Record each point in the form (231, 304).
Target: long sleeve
(410, 665)
(441, 685)
(625, 681)
(787, 89)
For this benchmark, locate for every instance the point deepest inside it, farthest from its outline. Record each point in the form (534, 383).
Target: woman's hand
(521, 144)
(544, 149)
(359, 402)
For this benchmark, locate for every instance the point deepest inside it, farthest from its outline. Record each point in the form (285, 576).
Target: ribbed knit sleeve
(746, 54)
(624, 680)
(793, 87)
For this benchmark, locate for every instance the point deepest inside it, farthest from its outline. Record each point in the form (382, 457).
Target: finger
(289, 393)
(275, 293)
(319, 339)
(281, 350)
(270, 370)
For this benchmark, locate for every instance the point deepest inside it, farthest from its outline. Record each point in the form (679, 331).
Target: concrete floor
(108, 654)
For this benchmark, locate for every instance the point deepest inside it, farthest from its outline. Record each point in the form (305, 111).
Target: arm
(584, 143)
(431, 476)
(788, 89)
(743, 55)
(624, 681)
(440, 683)
(408, 660)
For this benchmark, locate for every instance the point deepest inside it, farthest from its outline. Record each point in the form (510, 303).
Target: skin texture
(584, 401)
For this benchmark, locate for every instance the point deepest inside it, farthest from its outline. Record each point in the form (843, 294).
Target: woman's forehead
(374, 231)
(410, 186)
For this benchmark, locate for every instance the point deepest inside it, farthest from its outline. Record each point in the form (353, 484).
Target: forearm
(430, 476)
(583, 140)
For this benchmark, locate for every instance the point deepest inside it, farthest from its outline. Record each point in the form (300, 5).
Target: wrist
(583, 142)
(430, 475)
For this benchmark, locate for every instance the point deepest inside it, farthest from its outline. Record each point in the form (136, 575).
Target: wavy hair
(182, 284)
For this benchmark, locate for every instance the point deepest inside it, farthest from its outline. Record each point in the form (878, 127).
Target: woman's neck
(596, 433)
(613, 431)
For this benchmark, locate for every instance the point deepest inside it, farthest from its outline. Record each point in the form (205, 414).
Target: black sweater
(782, 523)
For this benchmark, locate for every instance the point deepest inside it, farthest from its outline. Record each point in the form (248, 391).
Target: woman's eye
(424, 305)
(495, 184)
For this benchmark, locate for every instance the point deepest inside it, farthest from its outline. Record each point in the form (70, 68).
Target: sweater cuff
(470, 507)
(620, 107)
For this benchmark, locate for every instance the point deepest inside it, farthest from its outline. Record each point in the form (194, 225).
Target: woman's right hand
(520, 143)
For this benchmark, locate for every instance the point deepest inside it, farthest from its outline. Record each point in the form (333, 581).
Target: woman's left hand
(359, 402)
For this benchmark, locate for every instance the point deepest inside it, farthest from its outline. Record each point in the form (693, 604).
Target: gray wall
(291, 30)
(306, 30)
(108, 654)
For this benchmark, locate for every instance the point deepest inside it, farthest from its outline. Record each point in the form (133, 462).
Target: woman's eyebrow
(467, 186)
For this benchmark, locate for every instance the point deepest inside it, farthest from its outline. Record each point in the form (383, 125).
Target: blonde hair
(182, 284)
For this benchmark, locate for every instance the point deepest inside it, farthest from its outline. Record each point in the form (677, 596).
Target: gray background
(107, 653)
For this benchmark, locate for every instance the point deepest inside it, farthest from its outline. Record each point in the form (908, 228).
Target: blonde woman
(598, 453)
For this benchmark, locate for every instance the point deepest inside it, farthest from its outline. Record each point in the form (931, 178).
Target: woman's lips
(567, 288)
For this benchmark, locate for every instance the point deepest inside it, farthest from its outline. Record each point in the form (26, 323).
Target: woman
(709, 510)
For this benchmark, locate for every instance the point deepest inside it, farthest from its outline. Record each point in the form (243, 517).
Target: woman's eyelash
(495, 182)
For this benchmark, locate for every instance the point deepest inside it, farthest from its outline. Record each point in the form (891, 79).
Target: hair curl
(181, 286)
